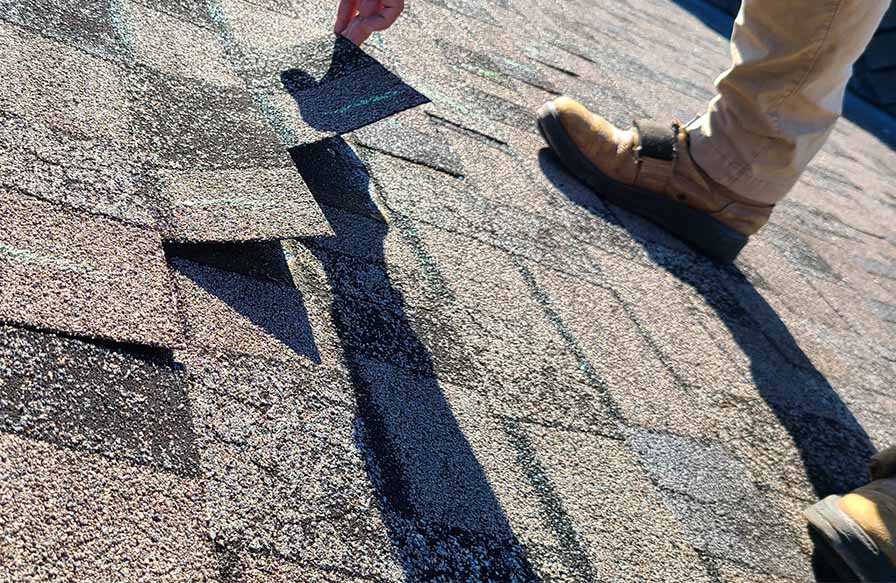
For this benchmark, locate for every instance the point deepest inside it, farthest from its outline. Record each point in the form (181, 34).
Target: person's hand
(358, 19)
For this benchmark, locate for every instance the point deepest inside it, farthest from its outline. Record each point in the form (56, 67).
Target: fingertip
(357, 33)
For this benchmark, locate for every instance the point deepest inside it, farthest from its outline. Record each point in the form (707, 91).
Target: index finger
(388, 15)
(347, 10)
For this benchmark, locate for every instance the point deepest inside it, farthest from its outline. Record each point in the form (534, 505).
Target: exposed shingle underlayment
(420, 351)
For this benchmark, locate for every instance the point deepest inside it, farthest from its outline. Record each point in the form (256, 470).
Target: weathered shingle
(113, 401)
(83, 274)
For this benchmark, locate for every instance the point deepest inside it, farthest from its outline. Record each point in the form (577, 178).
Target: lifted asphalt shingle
(238, 205)
(325, 87)
(219, 172)
(82, 274)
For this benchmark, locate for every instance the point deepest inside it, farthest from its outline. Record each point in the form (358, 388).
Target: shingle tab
(174, 46)
(72, 516)
(218, 171)
(412, 142)
(238, 205)
(326, 87)
(82, 274)
(287, 432)
(116, 402)
(239, 314)
(86, 24)
(186, 124)
(89, 173)
(50, 82)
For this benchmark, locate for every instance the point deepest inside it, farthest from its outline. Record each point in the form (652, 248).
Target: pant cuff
(716, 156)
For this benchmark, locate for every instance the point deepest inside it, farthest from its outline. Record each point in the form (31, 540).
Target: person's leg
(778, 102)
(856, 533)
(715, 183)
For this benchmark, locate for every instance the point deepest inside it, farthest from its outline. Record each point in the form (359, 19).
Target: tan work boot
(649, 171)
(860, 528)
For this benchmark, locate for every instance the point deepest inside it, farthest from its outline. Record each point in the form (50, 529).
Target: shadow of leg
(831, 444)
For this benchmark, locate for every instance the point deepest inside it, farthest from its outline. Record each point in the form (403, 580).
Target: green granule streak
(234, 202)
(481, 71)
(30, 258)
(366, 101)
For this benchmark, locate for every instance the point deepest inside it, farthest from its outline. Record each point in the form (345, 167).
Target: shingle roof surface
(83, 274)
(233, 351)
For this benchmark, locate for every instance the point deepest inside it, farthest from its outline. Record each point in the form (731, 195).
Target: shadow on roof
(353, 91)
(266, 306)
(833, 446)
(435, 499)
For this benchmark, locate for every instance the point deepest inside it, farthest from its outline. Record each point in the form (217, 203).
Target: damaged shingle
(326, 87)
(218, 171)
(237, 205)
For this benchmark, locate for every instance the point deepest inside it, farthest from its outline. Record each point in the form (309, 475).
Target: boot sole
(707, 235)
(849, 544)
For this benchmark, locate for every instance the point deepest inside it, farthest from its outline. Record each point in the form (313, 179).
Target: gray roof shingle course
(83, 274)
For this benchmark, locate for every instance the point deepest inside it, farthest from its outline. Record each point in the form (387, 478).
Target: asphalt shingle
(173, 46)
(325, 87)
(285, 434)
(116, 402)
(237, 205)
(83, 274)
(241, 314)
(70, 515)
(217, 169)
(48, 81)
(88, 173)
(463, 366)
(86, 24)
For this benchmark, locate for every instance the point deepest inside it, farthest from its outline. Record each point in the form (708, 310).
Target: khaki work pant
(782, 95)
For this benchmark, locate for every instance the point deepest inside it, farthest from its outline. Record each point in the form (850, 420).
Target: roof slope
(236, 347)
